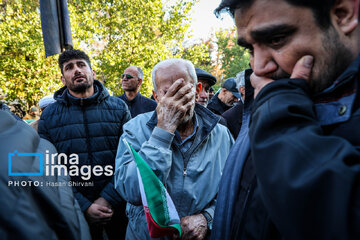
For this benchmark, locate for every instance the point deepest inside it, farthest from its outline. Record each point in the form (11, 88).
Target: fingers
(174, 88)
(302, 68)
(258, 83)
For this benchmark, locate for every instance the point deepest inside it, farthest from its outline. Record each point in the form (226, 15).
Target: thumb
(105, 209)
(303, 68)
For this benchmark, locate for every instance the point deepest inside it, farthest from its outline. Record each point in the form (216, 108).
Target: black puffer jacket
(91, 128)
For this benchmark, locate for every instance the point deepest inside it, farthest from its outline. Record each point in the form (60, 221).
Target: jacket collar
(206, 120)
(335, 103)
(63, 96)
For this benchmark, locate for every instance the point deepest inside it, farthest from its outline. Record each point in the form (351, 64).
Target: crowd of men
(274, 154)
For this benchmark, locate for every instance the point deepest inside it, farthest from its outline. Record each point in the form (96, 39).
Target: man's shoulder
(147, 100)
(138, 122)
(116, 100)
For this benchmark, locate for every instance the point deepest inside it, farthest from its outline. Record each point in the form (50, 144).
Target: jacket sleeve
(42, 129)
(82, 200)
(155, 151)
(309, 182)
(109, 192)
(111, 195)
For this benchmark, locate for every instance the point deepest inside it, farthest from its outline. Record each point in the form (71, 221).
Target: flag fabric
(161, 215)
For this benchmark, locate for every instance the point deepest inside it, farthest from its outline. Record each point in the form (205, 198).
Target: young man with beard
(131, 81)
(183, 144)
(294, 173)
(86, 121)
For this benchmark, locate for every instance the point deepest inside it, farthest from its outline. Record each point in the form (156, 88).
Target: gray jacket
(191, 178)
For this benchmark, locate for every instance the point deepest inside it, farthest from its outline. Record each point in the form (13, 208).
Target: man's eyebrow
(242, 42)
(269, 31)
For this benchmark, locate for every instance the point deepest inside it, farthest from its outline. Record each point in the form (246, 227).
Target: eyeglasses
(128, 76)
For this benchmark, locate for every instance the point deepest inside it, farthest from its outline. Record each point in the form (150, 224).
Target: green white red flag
(161, 215)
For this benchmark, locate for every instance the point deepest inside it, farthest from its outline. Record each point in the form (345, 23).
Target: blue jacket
(91, 128)
(191, 178)
(305, 153)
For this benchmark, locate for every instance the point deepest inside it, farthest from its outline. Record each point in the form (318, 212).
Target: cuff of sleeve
(162, 138)
(85, 206)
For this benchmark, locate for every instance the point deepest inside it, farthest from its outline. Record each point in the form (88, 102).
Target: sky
(204, 21)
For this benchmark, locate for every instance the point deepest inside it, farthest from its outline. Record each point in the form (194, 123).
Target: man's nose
(262, 62)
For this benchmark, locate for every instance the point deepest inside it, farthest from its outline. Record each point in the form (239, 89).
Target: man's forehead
(73, 61)
(264, 15)
(131, 69)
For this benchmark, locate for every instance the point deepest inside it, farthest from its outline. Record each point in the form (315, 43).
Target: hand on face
(302, 69)
(174, 106)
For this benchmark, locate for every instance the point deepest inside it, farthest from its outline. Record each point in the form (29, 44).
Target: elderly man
(183, 144)
(87, 121)
(301, 178)
(131, 82)
(206, 80)
(225, 99)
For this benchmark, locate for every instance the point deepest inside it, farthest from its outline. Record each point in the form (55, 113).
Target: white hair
(240, 79)
(174, 61)
(140, 72)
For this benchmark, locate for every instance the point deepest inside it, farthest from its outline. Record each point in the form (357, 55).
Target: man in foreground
(183, 144)
(86, 121)
(301, 179)
(131, 82)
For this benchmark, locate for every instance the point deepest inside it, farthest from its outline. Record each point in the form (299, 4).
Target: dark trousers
(114, 229)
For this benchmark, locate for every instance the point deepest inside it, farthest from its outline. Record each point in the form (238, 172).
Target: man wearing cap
(131, 82)
(206, 80)
(224, 100)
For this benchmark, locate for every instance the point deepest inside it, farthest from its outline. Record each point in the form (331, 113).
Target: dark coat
(217, 106)
(33, 212)
(91, 128)
(305, 150)
(233, 118)
(139, 104)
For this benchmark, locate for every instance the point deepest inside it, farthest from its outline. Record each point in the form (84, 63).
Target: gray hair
(140, 72)
(240, 79)
(172, 61)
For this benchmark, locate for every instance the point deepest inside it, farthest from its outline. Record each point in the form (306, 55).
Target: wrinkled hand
(193, 227)
(174, 106)
(97, 213)
(302, 69)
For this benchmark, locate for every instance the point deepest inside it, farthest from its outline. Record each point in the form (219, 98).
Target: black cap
(204, 75)
(230, 85)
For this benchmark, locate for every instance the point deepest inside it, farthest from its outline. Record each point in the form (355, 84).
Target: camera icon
(16, 156)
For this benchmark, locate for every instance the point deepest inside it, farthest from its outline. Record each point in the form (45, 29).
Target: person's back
(33, 210)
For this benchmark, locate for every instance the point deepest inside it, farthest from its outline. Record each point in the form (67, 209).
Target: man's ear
(346, 15)
(63, 80)
(140, 82)
(94, 74)
(155, 96)
(198, 87)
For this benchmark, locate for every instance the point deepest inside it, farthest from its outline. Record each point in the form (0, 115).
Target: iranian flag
(161, 215)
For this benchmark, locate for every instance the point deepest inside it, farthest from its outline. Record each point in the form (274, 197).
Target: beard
(336, 59)
(80, 87)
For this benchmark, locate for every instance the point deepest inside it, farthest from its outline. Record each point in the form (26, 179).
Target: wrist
(209, 219)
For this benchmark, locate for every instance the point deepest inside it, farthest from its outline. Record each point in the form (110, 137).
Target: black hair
(320, 8)
(70, 55)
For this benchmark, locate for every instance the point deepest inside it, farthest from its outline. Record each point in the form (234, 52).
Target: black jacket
(91, 128)
(217, 106)
(305, 153)
(139, 104)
